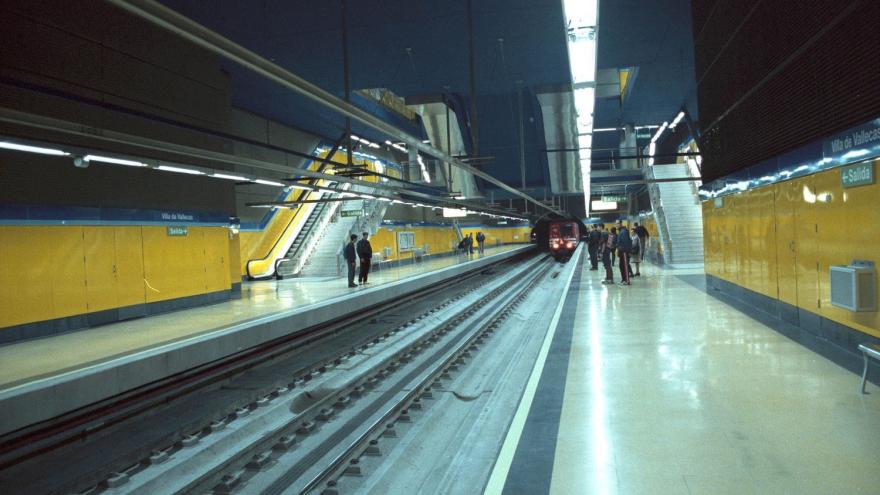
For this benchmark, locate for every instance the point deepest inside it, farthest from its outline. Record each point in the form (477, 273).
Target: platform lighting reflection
(115, 161)
(32, 149)
(180, 170)
(855, 154)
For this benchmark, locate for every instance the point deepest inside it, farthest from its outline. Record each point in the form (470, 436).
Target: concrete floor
(669, 390)
(30, 360)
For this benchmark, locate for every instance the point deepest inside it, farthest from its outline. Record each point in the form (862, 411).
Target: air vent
(854, 287)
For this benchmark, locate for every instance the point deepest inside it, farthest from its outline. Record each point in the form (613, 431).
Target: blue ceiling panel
(655, 37)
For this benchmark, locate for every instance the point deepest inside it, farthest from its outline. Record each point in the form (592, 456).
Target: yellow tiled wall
(49, 272)
(443, 239)
(781, 240)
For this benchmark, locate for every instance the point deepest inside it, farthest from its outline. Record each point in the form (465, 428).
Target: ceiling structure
(421, 50)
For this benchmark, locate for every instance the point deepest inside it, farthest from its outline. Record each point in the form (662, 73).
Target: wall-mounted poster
(406, 241)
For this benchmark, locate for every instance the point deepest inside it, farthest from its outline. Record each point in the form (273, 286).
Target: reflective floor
(669, 390)
(30, 360)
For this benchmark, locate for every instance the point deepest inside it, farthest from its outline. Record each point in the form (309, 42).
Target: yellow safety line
(511, 441)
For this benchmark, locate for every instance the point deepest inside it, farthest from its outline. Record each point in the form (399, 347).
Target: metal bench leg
(864, 372)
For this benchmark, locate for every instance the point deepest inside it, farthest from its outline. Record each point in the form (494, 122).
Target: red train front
(564, 237)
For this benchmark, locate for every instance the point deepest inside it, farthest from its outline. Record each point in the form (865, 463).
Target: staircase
(678, 213)
(326, 258)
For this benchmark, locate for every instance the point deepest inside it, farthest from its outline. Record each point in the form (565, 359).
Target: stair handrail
(659, 214)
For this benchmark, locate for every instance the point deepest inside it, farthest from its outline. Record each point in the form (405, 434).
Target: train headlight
(569, 245)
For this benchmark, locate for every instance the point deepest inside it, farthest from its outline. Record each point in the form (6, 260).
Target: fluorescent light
(459, 197)
(598, 205)
(270, 183)
(453, 213)
(180, 170)
(677, 119)
(367, 196)
(605, 129)
(117, 161)
(383, 199)
(32, 149)
(230, 177)
(651, 149)
(659, 131)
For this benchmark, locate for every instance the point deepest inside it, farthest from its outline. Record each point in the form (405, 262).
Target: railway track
(278, 445)
(307, 392)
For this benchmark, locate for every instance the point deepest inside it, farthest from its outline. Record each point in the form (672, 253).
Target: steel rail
(186, 28)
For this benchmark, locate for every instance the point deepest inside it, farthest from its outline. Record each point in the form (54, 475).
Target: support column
(628, 147)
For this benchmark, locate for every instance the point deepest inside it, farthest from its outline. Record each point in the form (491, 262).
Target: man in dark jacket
(365, 253)
(624, 246)
(481, 241)
(350, 255)
(593, 246)
(642, 233)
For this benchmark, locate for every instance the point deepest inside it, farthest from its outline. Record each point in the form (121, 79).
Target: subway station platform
(660, 388)
(43, 378)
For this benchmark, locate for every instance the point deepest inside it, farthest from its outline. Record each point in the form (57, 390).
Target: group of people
(466, 245)
(618, 242)
(358, 250)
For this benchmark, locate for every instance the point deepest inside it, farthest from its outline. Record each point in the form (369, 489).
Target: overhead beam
(186, 28)
(151, 146)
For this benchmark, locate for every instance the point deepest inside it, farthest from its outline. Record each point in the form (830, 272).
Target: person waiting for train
(624, 245)
(606, 246)
(481, 241)
(365, 253)
(350, 255)
(643, 235)
(593, 246)
(635, 255)
(469, 244)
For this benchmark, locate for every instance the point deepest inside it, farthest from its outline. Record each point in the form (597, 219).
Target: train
(564, 238)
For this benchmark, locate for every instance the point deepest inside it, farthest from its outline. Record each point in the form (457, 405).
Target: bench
(868, 351)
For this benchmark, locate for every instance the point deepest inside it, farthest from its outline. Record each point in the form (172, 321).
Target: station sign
(177, 231)
(352, 213)
(614, 199)
(860, 174)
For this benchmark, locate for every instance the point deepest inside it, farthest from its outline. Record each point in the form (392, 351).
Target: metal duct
(434, 118)
(560, 132)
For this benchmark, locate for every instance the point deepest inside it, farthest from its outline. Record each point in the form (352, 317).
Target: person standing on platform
(606, 246)
(624, 245)
(636, 254)
(643, 235)
(350, 255)
(469, 244)
(481, 241)
(593, 246)
(365, 253)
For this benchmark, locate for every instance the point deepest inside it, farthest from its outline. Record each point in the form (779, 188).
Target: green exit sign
(860, 174)
(352, 213)
(614, 199)
(174, 231)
